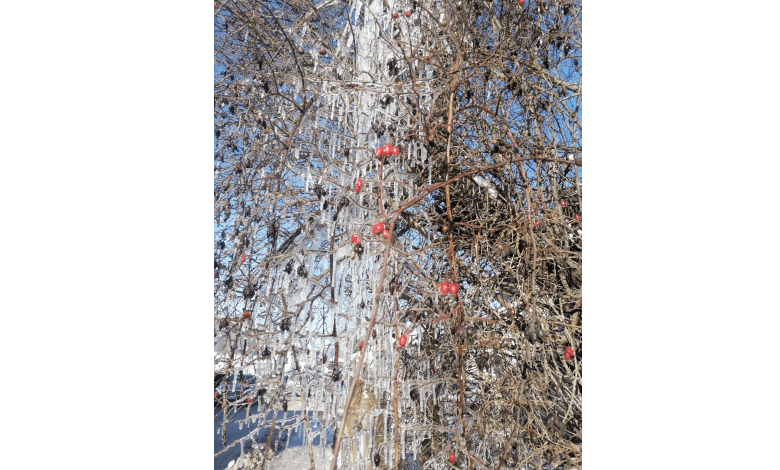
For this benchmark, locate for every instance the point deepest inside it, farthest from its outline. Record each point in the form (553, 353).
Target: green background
(108, 235)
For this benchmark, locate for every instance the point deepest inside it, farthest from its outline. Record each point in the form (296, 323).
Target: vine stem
(358, 368)
(451, 253)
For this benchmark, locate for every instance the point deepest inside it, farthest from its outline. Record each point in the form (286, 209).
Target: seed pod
(540, 333)
(463, 335)
(549, 422)
(530, 333)
(495, 360)
(560, 425)
(249, 291)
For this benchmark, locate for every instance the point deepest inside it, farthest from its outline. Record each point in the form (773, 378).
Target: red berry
(569, 353)
(407, 14)
(360, 346)
(563, 203)
(379, 151)
(394, 150)
(520, 2)
(357, 189)
(387, 149)
(386, 233)
(452, 454)
(243, 258)
(355, 239)
(247, 314)
(444, 287)
(216, 394)
(395, 15)
(453, 288)
(377, 229)
(360, 182)
(249, 399)
(577, 216)
(538, 223)
(402, 340)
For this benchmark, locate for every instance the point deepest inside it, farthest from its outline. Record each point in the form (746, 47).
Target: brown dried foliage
(495, 206)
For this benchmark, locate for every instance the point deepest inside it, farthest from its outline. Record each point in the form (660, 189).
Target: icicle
(423, 399)
(402, 442)
(414, 443)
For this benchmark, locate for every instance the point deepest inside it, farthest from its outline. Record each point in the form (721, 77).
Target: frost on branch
(398, 230)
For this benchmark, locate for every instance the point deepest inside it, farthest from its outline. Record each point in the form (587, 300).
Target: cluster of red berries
(387, 150)
(355, 239)
(448, 287)
(358, 185)
(380, 228)
(569, 353)
(407, 14)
